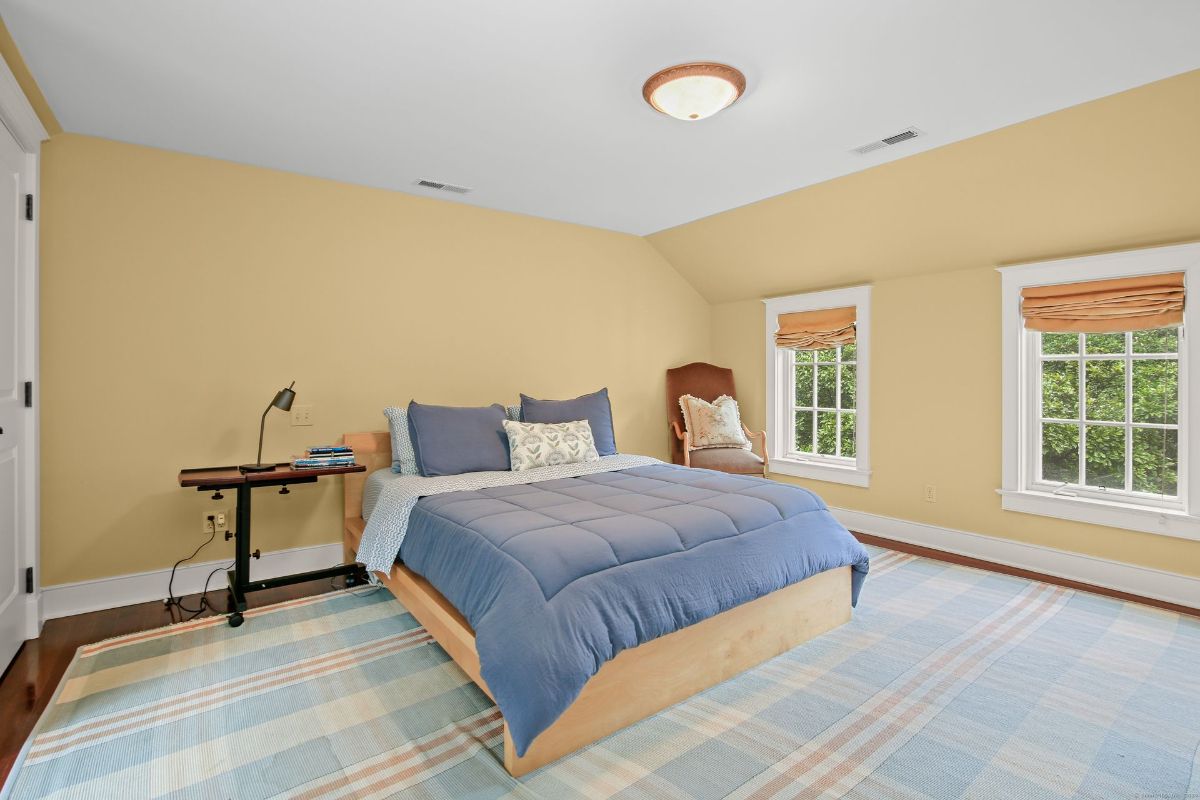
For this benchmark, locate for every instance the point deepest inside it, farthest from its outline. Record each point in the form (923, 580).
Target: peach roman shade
(1108, 306)
(816, 330)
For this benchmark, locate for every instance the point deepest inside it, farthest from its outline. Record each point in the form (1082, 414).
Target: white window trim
(779, 432)
(1018, 492)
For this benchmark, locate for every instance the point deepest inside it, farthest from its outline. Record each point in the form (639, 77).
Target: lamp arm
(261, 427)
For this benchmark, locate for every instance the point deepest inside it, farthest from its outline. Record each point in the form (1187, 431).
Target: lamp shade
(284, 398)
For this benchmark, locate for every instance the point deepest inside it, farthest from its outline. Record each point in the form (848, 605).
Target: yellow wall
(175, 296)
(927, 231)
(161, 272)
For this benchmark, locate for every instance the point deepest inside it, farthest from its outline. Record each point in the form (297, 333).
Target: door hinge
(29, 580)
(29, 394)
(29, 207)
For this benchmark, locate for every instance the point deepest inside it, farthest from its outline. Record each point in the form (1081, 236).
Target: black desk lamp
(283, 401)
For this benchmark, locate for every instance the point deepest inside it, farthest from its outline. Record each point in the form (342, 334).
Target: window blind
(1108, 306)
(816, 330)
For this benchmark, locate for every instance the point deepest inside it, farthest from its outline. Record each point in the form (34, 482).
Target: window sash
(1032, 367)
(790, 365)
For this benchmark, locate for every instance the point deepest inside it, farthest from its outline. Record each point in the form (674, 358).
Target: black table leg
(240, 584)
(239, 576)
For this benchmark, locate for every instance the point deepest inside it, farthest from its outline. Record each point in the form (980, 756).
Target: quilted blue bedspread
(560, 576)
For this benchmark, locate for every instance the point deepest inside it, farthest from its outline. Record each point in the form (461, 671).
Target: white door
(16, 433)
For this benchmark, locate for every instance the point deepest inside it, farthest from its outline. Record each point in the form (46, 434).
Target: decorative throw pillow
(715, 424)
(593, 407)
(546, 444)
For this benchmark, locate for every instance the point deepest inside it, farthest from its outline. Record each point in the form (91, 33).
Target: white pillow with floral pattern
(548, 444)
(715, 424)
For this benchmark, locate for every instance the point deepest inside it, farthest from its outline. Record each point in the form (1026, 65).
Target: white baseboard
(1145, 581)
(67, 599)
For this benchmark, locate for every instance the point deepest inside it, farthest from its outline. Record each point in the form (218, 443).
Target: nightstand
(215, 479)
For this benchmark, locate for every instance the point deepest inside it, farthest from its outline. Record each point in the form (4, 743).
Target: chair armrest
(678, 433)
(759, 437)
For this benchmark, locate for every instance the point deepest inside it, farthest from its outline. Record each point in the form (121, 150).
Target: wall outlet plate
(222, 521)
(302, 415)
(930, 493)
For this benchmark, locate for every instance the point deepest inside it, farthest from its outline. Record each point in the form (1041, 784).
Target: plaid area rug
(949, 682)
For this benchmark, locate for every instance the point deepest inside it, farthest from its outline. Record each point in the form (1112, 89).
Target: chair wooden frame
(637, 683)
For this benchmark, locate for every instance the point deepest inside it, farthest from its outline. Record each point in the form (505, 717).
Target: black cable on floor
(177, 602)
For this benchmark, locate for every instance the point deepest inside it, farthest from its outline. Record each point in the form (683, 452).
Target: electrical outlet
(930, 493)
(221, 517)
(302, 415)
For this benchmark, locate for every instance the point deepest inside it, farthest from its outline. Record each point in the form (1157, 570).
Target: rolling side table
(214, 479)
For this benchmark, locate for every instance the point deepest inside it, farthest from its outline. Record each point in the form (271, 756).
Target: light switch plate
(302, 415)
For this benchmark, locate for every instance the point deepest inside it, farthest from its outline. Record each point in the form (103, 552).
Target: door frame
(18, 116)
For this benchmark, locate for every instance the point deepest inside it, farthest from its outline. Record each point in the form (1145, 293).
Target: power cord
(173, 602)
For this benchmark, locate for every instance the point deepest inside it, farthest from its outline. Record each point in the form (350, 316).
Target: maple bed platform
(639, 681)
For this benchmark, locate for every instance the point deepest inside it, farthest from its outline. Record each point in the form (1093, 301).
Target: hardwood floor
(30, 681)
(992, 566)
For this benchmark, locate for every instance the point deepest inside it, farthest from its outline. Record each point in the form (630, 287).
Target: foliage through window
(1108, 416)
(825, 397)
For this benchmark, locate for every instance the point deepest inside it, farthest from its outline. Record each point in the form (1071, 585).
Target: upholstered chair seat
(737, 460)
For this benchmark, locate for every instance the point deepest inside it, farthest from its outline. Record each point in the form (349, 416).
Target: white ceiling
(536, 104)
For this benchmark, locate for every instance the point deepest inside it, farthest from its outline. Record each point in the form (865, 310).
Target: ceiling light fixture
(694, 91)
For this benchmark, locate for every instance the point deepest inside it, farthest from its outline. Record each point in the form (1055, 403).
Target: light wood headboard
(373, 450)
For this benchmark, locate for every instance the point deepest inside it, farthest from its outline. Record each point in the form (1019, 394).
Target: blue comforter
(558, 577)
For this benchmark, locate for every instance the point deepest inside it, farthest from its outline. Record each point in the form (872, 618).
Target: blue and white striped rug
(949, 682)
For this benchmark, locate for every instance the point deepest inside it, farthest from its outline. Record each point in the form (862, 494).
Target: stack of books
(335, 455)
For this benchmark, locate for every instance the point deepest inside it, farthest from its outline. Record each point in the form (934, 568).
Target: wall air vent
(888, 141)
(445, 187)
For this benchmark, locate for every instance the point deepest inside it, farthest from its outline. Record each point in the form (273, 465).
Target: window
(824, 389)
(1109, 420)
(1096, 424)
(817, 398)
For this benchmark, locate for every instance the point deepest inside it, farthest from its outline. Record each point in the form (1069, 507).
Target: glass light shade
(694, 91)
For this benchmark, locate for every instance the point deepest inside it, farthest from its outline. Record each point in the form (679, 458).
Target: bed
(639, 672)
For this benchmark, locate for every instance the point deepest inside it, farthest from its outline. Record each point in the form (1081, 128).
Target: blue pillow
(451, 441)
(593, 407)
(404, 458)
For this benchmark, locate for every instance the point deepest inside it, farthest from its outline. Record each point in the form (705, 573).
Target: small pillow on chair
(546, 444)
(715, 424)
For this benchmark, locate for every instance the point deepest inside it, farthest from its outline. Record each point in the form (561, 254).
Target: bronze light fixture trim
(694, 91)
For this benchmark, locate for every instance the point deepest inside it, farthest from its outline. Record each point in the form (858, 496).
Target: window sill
(833, 473)
(1165, 522)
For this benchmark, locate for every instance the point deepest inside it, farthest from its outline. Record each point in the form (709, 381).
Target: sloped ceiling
(1119, 172)
(536, 104)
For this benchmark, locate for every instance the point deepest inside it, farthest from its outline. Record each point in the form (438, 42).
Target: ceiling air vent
(888, 141)
(445, 187)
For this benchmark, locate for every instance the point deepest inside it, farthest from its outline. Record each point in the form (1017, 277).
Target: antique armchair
(709, 382)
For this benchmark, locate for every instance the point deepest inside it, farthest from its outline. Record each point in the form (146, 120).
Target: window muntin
(824, 399)
(1107, 415)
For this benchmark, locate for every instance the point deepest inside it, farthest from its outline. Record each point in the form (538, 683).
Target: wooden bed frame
(639, 682)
